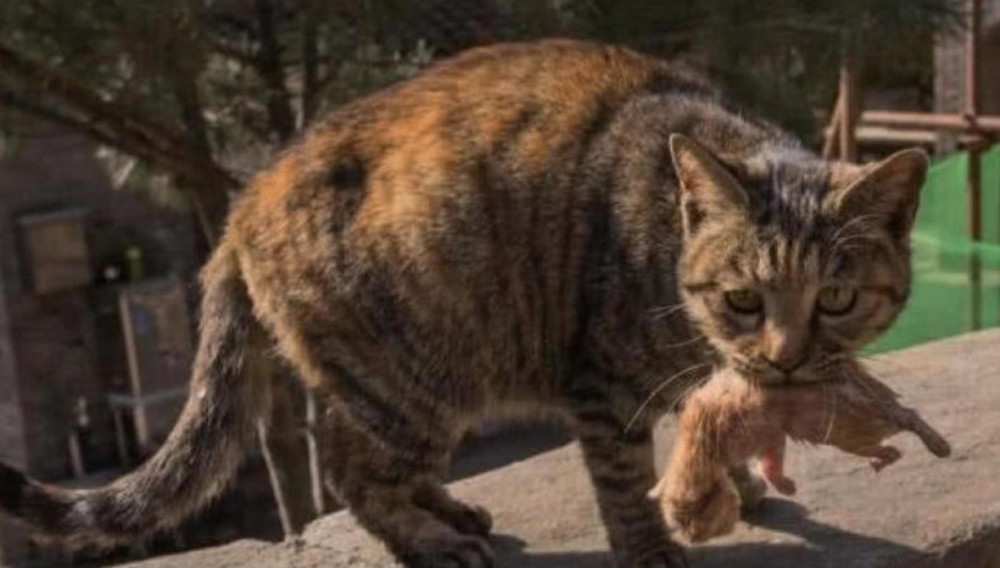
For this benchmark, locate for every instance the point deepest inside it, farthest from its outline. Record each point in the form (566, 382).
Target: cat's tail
(229, 392)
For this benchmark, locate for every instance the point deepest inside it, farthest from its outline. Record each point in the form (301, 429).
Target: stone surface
(922, 512)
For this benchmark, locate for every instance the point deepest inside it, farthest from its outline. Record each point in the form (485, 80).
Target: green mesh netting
(956, 283)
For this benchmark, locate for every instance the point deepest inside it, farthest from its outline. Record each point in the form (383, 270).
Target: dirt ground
(922, 512)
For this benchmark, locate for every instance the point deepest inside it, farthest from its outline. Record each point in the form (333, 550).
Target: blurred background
(126, 127)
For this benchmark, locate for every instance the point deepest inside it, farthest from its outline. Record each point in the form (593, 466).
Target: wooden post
(961, 123)
(831, 137)
(850, 105)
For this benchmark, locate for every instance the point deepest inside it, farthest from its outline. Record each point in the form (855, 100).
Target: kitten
(554, 225)
(730, 420)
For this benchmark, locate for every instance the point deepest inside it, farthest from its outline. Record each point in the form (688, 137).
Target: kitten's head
(791, 265)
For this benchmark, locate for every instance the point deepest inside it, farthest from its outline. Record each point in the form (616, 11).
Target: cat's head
(791, 265)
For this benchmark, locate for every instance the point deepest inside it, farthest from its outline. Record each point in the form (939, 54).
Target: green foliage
(781, 57)
(223, 83)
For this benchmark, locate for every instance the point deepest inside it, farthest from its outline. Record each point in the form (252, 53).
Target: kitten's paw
(671, 557)
(450, 552)
(712, 514)
(784, 485)
(884, 456)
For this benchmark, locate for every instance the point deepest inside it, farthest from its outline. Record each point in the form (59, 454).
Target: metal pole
(974, 170)
(971, 113)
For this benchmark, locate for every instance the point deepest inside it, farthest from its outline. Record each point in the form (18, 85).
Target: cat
(551, 226)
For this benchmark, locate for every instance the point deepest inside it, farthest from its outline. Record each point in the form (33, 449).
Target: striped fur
(506, 234)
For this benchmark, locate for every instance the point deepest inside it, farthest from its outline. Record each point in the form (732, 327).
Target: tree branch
(63, 86)
(34, 108)
(210, 180)
(211, 203)
(124, 128)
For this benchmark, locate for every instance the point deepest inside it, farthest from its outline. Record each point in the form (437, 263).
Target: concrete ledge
(920, 513)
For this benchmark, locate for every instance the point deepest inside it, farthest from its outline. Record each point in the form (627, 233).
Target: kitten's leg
(622, 470)
(879, 456)
(395, 494)
(751, 487)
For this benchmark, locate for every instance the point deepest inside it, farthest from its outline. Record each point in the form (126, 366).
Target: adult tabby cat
(556, 225)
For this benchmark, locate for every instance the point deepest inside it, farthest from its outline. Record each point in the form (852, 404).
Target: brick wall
(60, 346)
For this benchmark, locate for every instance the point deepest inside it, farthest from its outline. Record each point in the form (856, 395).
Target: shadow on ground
(510, 443)
(824, 546)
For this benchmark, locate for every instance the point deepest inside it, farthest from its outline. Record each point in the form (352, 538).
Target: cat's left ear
(890, 190)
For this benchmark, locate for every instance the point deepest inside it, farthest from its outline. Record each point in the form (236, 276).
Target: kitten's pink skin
(772, 464)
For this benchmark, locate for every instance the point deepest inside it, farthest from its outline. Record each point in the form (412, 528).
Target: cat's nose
(783, 348)
(786, 365)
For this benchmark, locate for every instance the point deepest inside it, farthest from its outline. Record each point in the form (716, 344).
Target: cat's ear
(889, 191)
(707, 189)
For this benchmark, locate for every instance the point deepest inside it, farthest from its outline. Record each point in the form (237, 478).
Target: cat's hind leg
(394, 491)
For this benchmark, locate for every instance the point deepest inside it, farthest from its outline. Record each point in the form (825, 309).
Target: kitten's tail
(229, 391)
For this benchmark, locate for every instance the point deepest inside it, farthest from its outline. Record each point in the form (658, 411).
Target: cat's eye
(836, 300)
(744, 301)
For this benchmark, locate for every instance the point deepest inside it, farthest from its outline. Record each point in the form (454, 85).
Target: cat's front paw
(450, 552)
(670, 557)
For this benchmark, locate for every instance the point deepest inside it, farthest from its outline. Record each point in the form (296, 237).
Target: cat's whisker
(828, 394)
(685, 394)
(661, 312)
(690, 341)
(667, 382)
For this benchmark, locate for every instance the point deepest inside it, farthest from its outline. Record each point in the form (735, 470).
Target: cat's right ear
(707, 189)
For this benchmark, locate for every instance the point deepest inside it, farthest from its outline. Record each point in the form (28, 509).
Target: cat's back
(521, 107)
(487, 95)
(456, 176)
(455, 197)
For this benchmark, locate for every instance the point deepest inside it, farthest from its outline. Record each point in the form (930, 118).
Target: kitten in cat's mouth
(730, 420)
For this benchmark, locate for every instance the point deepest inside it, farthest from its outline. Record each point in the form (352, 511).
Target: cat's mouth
(761, 374)
(805, 378)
